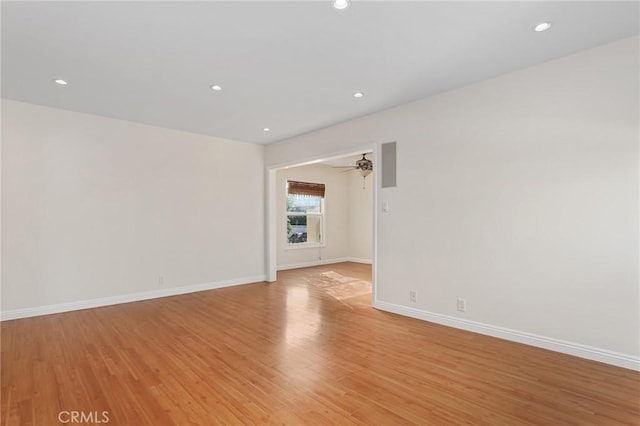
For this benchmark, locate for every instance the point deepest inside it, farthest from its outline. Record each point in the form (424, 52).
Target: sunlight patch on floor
(341, 286)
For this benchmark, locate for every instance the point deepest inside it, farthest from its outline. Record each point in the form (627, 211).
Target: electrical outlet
(413, 296)
(161, 280)
(462, 305)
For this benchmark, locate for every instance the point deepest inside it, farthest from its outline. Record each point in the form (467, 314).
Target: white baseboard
(125, 298)
(358, 260)
(583, 351)
(321, 262)
(312, 263)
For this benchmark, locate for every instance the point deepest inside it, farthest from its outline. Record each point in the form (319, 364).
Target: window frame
(323, 222)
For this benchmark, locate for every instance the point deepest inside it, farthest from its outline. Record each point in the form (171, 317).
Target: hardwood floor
(308, 349)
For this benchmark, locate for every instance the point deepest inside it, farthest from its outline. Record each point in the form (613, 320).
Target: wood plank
(303, 350)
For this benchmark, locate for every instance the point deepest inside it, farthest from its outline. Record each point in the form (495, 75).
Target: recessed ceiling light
(216, 87)
(340, 4)
(542, 26)
(358, 95)
(60, 82)
(266, 129)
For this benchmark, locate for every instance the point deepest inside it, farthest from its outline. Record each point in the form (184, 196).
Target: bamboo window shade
(305, 188)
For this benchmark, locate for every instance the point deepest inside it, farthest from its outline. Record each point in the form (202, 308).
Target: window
(305, 213)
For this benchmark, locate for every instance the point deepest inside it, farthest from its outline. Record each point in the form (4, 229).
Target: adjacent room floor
(308, 349)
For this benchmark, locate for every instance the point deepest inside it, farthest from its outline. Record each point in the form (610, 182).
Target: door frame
(271, 209)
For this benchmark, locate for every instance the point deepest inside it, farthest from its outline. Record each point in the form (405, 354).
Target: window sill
(304, 246)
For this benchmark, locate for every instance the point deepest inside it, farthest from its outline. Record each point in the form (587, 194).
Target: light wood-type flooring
(306, 350)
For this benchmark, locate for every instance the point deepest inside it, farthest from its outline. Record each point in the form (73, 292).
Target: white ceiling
(289, 66)
(349, 160)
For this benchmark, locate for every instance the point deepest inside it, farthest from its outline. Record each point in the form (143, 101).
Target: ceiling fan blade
(344, 167)
(352, 170)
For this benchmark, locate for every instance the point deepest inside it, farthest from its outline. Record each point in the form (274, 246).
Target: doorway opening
(321, 212)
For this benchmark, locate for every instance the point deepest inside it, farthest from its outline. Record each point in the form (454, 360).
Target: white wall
(94, 207)
(360, 217)
(525, 189)
(337, 215)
